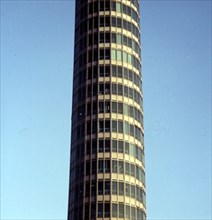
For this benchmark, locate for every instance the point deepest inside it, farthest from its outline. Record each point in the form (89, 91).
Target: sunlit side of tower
(107, 171)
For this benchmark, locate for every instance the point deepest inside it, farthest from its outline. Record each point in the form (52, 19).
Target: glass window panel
(120, 91)
(114, 107)
(120, 108)
(121, 210)
(132, 191)
(120, 126)
(127, 189)
(107, 210)
(101, 146)
(101, 166)
(121, 167)
(121, 188)
(119, 57)
(107, 187)
(125, 57)
(107, 145)
(100, 210)
(113, 38)
(114, 145)
(128, 212)
(120, 147)
(127, 168)
(127, 148)
(114, 210)
(107, 166)
(113, 54)
(118, 38)
(118, 7)
(100, 188)
(114, 166)
(114, 89)
(114, 188)
(114, 126)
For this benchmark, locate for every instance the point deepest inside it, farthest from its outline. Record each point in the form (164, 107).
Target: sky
(37, 39)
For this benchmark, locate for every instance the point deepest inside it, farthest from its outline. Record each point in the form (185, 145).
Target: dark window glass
(107, 187)
(100, 210)
(100, 188)
(101, 146)
(107, 145)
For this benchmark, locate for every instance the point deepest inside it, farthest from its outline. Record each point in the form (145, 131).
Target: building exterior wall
(107, 171)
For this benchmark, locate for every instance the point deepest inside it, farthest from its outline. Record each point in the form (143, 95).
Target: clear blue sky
(36, 87)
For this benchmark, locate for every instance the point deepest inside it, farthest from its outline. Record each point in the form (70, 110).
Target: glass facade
(107, 168)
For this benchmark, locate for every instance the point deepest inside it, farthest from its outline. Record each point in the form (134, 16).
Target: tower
(107, 171)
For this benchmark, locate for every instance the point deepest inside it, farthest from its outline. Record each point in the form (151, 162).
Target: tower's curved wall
(107, 171)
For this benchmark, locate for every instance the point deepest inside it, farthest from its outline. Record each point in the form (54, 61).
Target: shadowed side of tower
(107, 170)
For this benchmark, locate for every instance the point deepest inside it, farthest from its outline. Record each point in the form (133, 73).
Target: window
(93, 211)
(94, 147)
(107, 37)
(118, 39)
(101, 146)
(127, 168)
(120, 126)
(113, 54)
(107, 187)
(107, 210)
(101, 166)
(100, 188)
(127, 189)
(119, 57)
(126, 148)
(107, 145)
(132, 191)
(120, 92)
(133, 213)
(101, 37)
(87, 168)
(93, 166)
(114, 89)
(114, 145)
(114, 126)
(107, 126)
(87, 211)
(114, 210)
(100, 210)
(114, 107)
(107, 70)
(118, 7)
(121, 188)
(128, 212)
(114, 188)
(120, 108)
(88, 148)
(93, 188)
(120, 147)
(101, 107)
(119, 72)
(119, 23)
(107, 166)
(114, 166)
(121, 210)
(120, 167)
(87, 189)
(125, 57)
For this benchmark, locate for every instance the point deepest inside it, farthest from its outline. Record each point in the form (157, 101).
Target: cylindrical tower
(107, 171)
